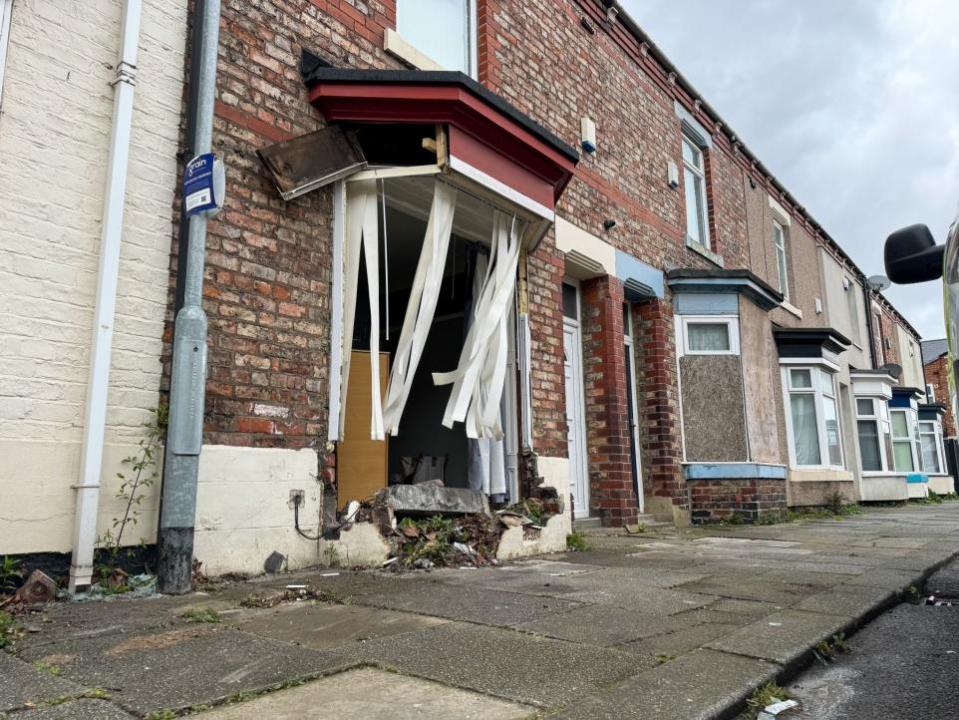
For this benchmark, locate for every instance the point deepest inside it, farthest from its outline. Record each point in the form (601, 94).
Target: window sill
(790, 308)
(696, 247)
(398, 47)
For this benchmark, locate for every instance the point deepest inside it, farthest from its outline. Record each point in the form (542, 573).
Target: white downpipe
(88, 487)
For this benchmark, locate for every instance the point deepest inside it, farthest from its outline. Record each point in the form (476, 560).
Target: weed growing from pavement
(8, 629)
(813, 513)
(48, 668)
(201, 615)
(140, 472)
(765, 695)
(576, 542)
(828, 650)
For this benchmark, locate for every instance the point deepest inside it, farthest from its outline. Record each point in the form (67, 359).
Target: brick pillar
(658, 401)
(611, 489)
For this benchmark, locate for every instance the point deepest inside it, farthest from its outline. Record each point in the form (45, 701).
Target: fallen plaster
(359, 545)
(552, 538)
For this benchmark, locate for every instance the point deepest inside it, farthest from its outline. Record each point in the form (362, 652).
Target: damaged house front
(440, 192)
(519, 264)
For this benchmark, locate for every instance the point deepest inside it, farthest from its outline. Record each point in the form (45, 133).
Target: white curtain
(421, 306)
(805, 430)
(362, 233)
(486, 470)
(480, 375)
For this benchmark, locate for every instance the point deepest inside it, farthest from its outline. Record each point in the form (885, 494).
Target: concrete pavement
(667, 625)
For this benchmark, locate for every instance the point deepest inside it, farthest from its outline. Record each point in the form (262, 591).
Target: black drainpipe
(183, 242)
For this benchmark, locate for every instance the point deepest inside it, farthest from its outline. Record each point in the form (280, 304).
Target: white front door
(575, 418)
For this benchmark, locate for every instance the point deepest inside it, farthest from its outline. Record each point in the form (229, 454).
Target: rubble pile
(430, 525)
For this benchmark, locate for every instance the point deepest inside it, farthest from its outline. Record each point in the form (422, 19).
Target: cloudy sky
(852, 104)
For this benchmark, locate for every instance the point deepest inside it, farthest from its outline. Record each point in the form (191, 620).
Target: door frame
(630, 367)
(574, 325)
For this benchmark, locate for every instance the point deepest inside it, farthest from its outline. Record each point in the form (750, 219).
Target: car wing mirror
(912, 256)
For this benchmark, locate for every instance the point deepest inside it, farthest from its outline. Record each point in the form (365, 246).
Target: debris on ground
(777, 710)
(39, 588)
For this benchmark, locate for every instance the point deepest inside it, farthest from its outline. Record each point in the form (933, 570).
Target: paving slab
(466, 603)
(697, 686)
(754, 588)
(783, 637)
(184, 667)
(21, 683)
(637, 596)
(852, 601)
(891, 579)
(83, 709)
(324, 627)
(371, 694)
(504, 663)
(679, 642)
(601, 625)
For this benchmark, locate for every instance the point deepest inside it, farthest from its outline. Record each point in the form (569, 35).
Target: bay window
(930, 445)
(709, 335)
(813, 418)
(872, 425)
(904, 440)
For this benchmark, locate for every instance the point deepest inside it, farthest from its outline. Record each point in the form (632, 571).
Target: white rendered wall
(54, 139)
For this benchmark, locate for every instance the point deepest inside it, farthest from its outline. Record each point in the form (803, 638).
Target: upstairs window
(443, 30)
(779, 244)
(694, 182)
(813, 418)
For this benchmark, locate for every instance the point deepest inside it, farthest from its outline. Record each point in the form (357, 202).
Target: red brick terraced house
(506, 244)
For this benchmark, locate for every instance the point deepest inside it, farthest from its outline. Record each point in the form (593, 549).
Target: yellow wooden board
(362, 463)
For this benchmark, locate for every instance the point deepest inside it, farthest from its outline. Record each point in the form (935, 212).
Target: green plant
(10, 574)
(827, 650)
(141, 471)
(766, 695)
(162, 715)
(8, 629)
(48, 668)
(576, 542)
(95, 693)
(201, 615)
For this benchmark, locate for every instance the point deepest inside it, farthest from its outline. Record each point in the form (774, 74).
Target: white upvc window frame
(6, 10)
(880, 417)
(816, 371)
(930, 393)
(936, 433)
(732, 329)
(782, 257)
(698, 169)
(472, 40)
(912, 437)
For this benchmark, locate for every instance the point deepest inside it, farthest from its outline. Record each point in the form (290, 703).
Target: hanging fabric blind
(362, 234)
(480, 375)
(421, 307)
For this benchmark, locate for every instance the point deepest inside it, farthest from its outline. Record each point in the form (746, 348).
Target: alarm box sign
(203, 184)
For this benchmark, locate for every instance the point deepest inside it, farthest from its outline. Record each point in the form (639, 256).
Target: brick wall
(612, 494)
(268, 262)
(749, 499)
(658, 399)
(937, 376)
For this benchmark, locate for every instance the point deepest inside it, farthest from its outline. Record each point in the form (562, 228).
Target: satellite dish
(893, 369)
(878, 282)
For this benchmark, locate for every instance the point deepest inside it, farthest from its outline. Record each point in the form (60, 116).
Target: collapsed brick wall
(749, 499)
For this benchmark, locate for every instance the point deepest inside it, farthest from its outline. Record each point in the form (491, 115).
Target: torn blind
(480, 375)
(362, 233)
(422, 304)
